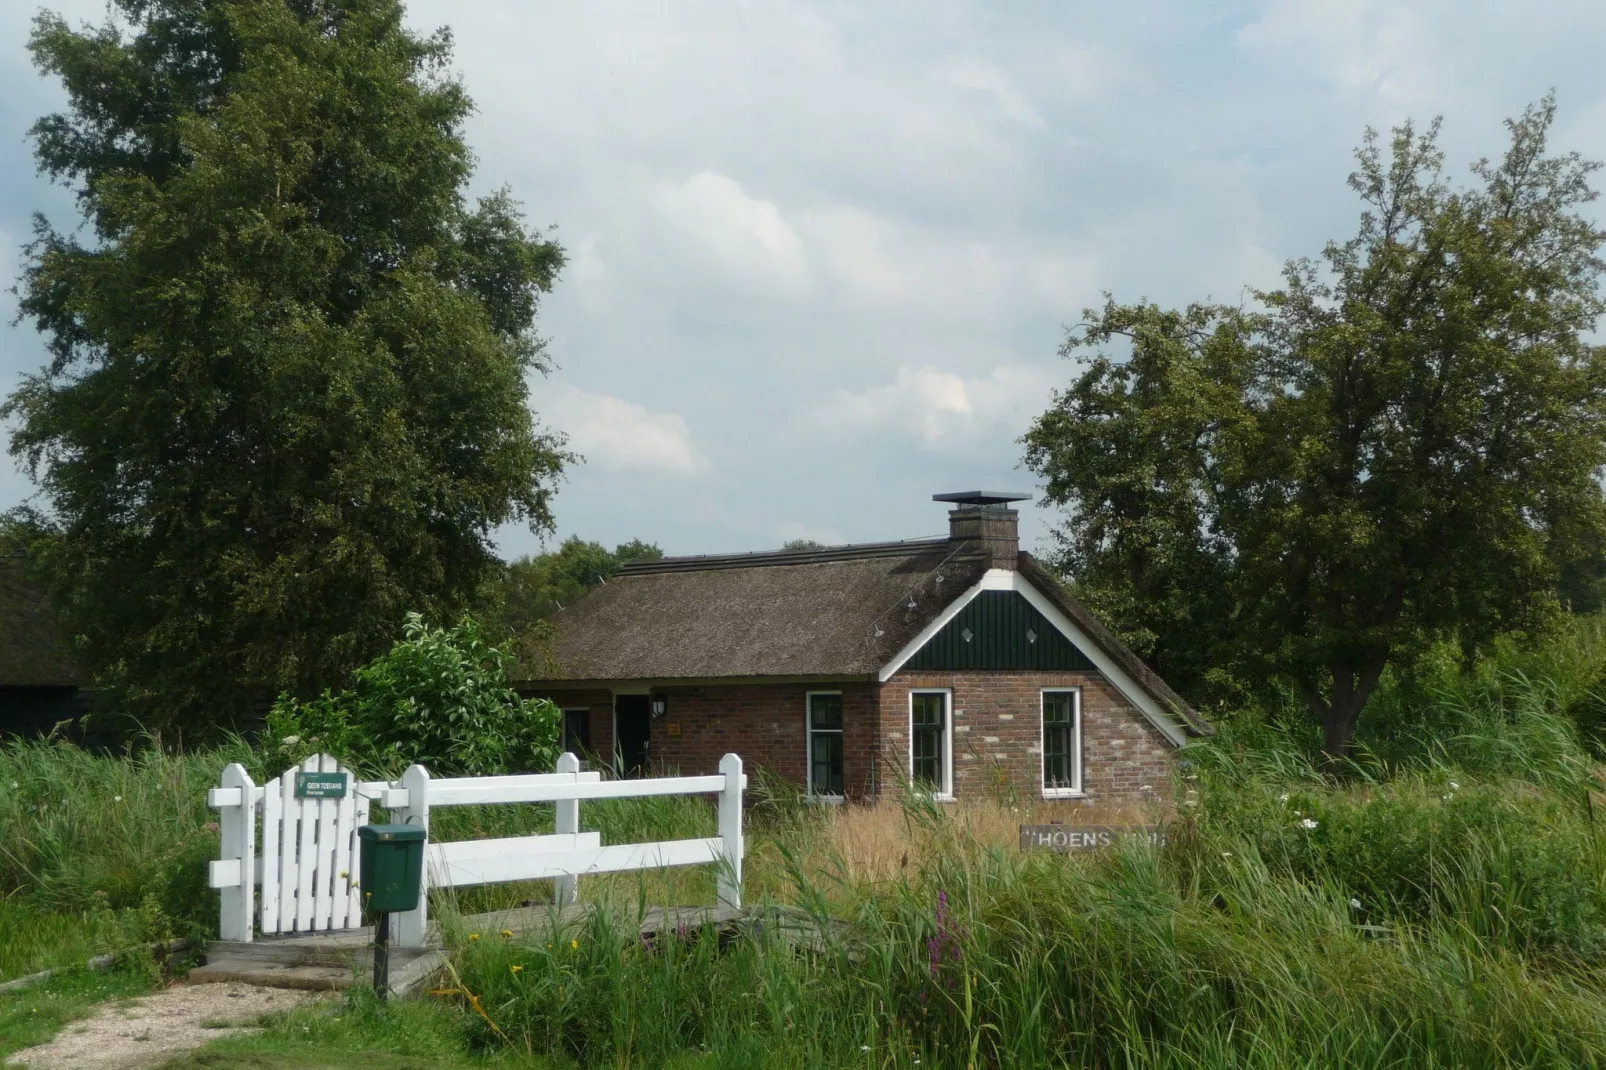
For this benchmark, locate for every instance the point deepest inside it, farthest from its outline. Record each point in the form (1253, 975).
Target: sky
(822, 256)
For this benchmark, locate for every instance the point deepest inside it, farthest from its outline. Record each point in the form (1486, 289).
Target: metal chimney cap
(981, 497)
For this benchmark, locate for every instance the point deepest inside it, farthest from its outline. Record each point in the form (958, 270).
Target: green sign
(322, 785)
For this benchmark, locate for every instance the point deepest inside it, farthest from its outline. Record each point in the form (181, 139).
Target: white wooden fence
(307, 869)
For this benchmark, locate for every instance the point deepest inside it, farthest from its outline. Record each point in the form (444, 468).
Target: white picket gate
(307, 867)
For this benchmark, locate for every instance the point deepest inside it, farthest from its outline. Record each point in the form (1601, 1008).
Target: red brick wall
(997, 735)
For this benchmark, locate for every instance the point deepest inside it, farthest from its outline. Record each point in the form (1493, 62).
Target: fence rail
(306, 870)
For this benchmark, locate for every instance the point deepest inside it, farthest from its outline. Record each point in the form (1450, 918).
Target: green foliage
(439, 697)
(287, 395)
(1398, 447)
(534, 587)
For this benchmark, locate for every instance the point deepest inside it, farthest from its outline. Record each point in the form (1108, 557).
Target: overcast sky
(822, 256)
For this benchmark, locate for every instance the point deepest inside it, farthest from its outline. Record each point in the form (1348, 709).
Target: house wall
(997, 735)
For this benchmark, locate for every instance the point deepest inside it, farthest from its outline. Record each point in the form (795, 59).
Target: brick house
(958, 662)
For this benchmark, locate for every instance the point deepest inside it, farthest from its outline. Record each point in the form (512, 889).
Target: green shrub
(439, 697)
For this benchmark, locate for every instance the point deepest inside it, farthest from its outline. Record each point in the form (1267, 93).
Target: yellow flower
(507, 934)
(516, 969)
(473, 937)
(574, 945)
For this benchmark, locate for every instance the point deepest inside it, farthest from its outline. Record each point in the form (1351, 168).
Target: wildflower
(473, 937)
(574, 945)
(1226, 854)
(1307, 824)
(290, 741)
(1454, 786)
(864, 1047)
(507, 934)
(1355, 904)
(117, 798)
(1283, 797)
(516, 969)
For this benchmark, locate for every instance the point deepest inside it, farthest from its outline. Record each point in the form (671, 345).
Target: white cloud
(619, 435)
(986, 78)
(1360, 44)
(745, 237)
(940, 407)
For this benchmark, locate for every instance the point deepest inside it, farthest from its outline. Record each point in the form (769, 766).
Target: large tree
(1401, 445)
(286, 401)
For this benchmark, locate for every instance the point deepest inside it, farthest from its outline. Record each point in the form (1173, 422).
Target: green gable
(999, 630)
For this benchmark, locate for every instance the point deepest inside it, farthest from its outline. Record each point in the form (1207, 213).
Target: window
(1062, 743)
(577, 732)
(930, 752)
(825, 743)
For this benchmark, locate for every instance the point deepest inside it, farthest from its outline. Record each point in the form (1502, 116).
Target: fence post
(411, 928)
(238, 826)
(565, 890)
(729, 879)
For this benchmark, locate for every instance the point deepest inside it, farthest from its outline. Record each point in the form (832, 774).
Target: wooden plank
(353, 892)
(272, 814)
(306, 850)
(323, 886)
(340, 896)
(224, 873)
(519, 858)
(576, 862)
(452, 793)
(289, 836)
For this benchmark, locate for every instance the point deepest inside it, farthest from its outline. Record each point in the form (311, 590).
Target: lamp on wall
(660, 705)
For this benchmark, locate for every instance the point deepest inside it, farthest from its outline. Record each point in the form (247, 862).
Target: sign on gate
(322, 785)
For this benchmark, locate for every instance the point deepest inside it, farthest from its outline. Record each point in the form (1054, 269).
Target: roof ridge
(769, 558)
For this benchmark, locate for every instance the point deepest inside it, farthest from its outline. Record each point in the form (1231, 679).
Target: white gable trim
(1001, 579)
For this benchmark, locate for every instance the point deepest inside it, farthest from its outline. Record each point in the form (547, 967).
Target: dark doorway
(632, 719)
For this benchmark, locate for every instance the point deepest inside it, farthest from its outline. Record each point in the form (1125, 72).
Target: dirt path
(143, 1032)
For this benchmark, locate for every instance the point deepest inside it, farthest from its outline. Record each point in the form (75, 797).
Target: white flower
(117, 798)
(290, 741)
(1283, 797)
(1447, 798)
(1454, 786)
(1355, 904)
(864, 1047)
(1226, 854)
(1307, 824)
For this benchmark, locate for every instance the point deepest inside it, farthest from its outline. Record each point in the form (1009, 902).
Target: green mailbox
(392, 863)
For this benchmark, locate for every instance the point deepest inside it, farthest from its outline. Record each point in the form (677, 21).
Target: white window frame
(808, 746)
(1077, 791)
(947, 792)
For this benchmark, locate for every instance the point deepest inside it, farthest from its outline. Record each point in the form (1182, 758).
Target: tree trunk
(1340, 711)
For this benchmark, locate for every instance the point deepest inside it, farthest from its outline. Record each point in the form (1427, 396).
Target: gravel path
(147, 1031)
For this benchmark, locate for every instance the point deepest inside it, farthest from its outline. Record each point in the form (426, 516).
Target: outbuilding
(959, 664)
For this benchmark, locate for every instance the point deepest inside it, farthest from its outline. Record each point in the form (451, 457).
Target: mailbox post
(392, 865)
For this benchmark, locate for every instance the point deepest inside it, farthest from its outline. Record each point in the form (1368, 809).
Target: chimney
(984, 519)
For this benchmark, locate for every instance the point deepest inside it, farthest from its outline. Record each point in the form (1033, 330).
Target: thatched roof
(841, 611)
(33, 649)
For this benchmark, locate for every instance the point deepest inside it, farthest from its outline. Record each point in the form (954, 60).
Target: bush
(439, 698)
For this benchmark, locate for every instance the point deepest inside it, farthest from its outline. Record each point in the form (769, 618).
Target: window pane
(825, 774)
(577, 731)
(1059, 707)
(825, 711)
(929, 716)
(1059, 740)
